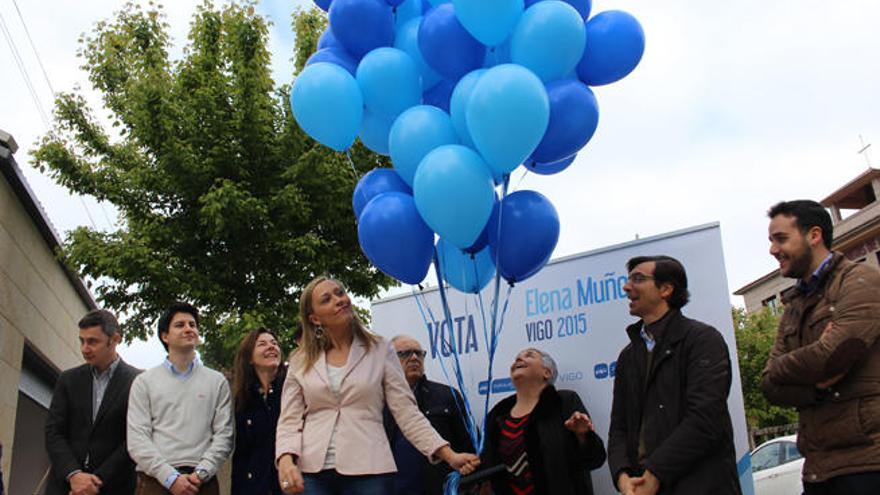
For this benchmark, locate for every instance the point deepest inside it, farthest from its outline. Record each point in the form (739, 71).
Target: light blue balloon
(489, 21)
(549, 39)
(408, 40)
(468, 273)
(374, 132)
(414, 134)
(507, 115)
(458, 105)
(435, 3)
(454, 193)
(409, 9)
(389, 81)
(327, 104)
(497, 55)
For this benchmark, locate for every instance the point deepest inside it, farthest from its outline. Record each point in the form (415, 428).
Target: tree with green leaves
(224, 202)
(755, 334)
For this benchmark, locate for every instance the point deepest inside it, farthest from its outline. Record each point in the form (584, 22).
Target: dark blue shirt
(253, 463)
(807, 287)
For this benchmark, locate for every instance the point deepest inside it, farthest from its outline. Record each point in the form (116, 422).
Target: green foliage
(755, 334)
(224, 202)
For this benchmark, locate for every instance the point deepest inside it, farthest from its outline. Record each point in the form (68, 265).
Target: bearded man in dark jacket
(670, 431)
(826, 359)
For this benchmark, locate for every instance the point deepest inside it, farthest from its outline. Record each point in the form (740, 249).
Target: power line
(21, 68)
(34, 48)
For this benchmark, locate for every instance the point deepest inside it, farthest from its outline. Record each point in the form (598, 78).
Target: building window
(772, 303)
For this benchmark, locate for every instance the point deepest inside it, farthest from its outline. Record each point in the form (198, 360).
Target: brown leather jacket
(831, 331)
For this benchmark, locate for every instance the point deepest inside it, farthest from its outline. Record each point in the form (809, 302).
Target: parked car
(777, 466)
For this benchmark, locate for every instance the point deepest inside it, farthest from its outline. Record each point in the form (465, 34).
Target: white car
(777, 466)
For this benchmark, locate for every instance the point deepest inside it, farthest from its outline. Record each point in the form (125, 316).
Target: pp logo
(605, 370)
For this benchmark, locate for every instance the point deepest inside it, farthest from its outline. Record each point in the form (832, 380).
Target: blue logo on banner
(498, 386)
(612, 368)
(601, 371)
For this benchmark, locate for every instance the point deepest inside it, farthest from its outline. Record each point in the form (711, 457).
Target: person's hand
(464, 462)
(183, 486)
(646, 484)
(289, 477)
(579, 423)
(194, 479)
(84, 484)
(625, 484)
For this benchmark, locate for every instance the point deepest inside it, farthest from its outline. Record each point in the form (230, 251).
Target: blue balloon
(468, 273)
(497, 55)
(435, 3)
(507, 115)
(458, 105)
(440, 95)
(447, 46)
(574, 115)
(454, 193)
(362, 25)
(324, 4)
(394, 3)
(616, 45)
(395, 238)
(389, 81)
(550, 168)
(489, 21)
(405, 12)
(408, 41)
(483, 240)
(374, 132)
(529, 231)
(373, 183)
(327, 104)
(336, 56)
(327, 40)
(582, 6)
(549, 39)
(414, 134)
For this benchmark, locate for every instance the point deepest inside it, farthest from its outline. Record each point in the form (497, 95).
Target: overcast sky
(735, 106)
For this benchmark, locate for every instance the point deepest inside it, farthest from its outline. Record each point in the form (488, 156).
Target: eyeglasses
(637, 278)
(408, 353)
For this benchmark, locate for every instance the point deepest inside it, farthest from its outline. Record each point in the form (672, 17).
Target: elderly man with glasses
(415, 476)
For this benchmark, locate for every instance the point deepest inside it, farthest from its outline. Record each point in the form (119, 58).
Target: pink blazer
(371, 379)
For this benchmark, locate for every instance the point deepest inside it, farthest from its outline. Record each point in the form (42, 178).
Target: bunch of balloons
(460, 93)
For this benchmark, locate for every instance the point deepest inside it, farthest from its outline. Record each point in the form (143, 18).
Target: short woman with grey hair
(544, 437)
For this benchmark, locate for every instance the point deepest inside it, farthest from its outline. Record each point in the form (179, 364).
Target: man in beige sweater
(180, 424)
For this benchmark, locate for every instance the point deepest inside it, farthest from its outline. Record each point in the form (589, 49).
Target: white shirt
(335, 376)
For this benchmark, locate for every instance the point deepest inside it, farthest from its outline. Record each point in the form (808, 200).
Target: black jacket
(436, 402)
(72, 437)
(253, 462)
(560, 464)
(688, 432)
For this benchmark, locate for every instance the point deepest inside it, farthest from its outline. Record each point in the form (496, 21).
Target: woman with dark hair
(544, 437)
(331, 439)
(257, 383)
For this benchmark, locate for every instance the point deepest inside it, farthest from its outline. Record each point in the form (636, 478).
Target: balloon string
(522, 178)
(351, 162)
(472, 427)
(423, 305)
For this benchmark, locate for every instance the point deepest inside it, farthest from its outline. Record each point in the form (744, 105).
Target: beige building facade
(40, 304)
(855, 213)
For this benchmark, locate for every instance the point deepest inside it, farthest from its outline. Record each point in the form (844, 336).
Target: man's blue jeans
(330, 482)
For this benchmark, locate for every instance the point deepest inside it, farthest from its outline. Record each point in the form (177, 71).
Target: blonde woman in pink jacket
(330, 438)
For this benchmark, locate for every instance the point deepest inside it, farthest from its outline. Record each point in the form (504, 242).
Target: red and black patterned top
(512, 451)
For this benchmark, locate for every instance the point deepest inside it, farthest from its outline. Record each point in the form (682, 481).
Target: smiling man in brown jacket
(826, 359)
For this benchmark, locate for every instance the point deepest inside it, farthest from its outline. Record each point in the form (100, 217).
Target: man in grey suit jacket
(86, 426)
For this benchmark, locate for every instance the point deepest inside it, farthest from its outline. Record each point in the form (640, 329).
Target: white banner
(576, 310)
